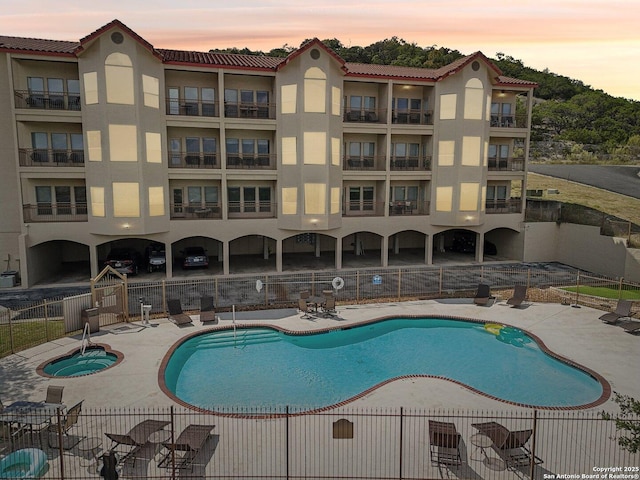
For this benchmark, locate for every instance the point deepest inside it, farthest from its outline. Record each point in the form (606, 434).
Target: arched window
(118, 71)
(474, 99)
(315, 91)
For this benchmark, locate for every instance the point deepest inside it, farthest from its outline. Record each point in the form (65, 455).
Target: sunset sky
(595, 41)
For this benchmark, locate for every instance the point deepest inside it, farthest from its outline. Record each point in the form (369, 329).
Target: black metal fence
(353, 443)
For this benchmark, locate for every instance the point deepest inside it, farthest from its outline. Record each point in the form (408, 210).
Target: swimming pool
(264, 367)
(75, 364)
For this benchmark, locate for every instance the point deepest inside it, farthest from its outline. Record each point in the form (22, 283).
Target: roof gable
(315, 42)
(89, 39)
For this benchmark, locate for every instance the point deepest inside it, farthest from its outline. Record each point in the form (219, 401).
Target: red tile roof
(254, 62)
(37, 45)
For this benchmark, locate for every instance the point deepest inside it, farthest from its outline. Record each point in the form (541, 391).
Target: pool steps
(240, 338)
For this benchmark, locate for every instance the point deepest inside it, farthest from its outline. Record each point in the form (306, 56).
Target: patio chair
(630, 326)
(509, 445)
(305, 308)
(444, 443)
(483, 295)
(54, 394)
(207, 310)
(519, 296)
(176, 315)
(329, 307)
(189, 443)
(137, 437)
(623, 310)
(68, 422)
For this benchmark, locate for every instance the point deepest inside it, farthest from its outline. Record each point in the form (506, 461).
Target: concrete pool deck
(574, 333)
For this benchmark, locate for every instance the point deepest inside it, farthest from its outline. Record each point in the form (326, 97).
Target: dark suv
(124, 260)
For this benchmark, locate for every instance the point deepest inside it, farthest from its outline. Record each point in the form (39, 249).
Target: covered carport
(59, 261)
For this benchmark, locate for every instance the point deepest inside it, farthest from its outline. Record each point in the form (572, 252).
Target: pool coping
(107, 348)
(605, 395)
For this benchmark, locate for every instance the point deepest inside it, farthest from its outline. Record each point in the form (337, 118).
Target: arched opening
(454, 246)
(59, 261)
(308, 251)
(361, 249)
(407, 248)
(252, 253)
(196, 256)
(503, 244)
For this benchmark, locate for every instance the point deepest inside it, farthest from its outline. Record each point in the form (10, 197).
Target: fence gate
(109, 294)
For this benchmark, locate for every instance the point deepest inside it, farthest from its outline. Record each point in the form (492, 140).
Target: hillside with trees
(571, 122)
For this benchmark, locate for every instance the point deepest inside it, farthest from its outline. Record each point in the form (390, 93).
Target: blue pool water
(259, 367)
(93, 360)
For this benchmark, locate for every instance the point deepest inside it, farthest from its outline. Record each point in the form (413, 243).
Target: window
(40, 144)
(496, 193)
(191, 101)
(193, 151)
(118, 72)
(361, 154)
(208, 101)
(361, 198)
(249, 199)
(55, 86)
(61, 200)
(209, 150)
(174, 151)
(202, 197)
(315, 85)
(231, 103)
(498, 156)
(177, 201)
(151, 91)
(403, 193)
(126, 199)
(36, 92)
(405, 155)
(173, 101)
(59, 147)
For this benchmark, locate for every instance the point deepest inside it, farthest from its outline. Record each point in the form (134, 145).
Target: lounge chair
(444, 443)
(519, 296)
(305, 308)
(189, 442)
(483, 295)
(68, 422)
(207, 310)
(329, 307)
(54, 394)
(630, 326)
(510, 445)
(176, 315)
(137, 437)
(623, 310)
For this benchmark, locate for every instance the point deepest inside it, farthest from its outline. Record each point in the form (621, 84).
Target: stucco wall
(580, 246)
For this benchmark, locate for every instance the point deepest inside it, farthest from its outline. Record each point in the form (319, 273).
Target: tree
(627, 421)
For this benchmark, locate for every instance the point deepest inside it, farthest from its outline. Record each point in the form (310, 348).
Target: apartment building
(109, 142)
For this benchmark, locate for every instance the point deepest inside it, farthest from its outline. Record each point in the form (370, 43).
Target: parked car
(195, 257)
(124, 260)
(156, 257)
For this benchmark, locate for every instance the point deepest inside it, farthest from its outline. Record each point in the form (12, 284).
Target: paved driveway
(619, 179)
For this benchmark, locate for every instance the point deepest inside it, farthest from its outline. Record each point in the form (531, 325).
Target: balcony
(509, 121)
(193, 160)
(246, 161)
(29, 157)
(506, 164)
(363, 162)
(377, 115)
(411, 163)
(252, 209)
(204, 211)
(192, 108)
(47, 101)
(55, 212)
(250, 110)
(412, 117)
(511, 205)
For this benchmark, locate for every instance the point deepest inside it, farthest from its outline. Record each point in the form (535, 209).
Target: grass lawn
(28, 333)
(607, 292)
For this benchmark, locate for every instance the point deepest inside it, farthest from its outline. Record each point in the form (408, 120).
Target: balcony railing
(257, 209)
(192, 108)
(193, 160)
(363, 162)
(192, 211)
(46, 101)
(411, 163)
(372, 208)
(509, 120)
(55, 212)
(260, 161)
(506, 164)
(377, 115)
(30, 157)
(409, 207)
(511, 205)
(250, 110)
(412, 117)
